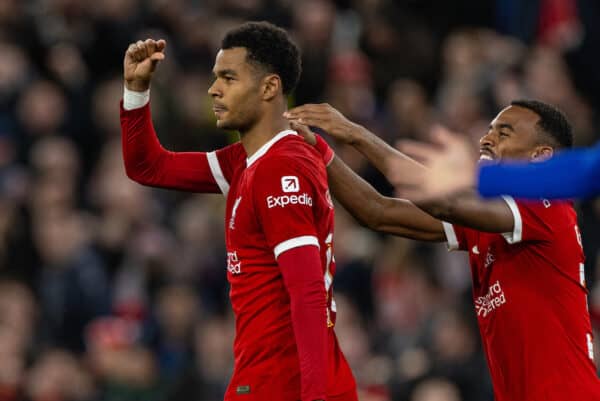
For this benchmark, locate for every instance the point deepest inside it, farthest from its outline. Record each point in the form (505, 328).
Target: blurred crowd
(116, 292)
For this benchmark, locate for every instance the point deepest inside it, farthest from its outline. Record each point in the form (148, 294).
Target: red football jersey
(277, 199)
(531, 304)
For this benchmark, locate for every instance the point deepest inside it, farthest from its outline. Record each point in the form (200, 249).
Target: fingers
(312, 115)
(142, 53)
(310, 112)
(161, 44)
(417, 150)
(400, 176)
(150, 48)
(444, 137)
(304, 131)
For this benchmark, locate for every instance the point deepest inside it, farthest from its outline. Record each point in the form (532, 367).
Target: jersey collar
(263, 149)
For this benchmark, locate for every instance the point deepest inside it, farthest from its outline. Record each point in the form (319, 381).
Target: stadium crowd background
(112, 291)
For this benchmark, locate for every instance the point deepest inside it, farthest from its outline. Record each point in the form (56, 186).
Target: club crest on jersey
(290, 183)
(489, 258)
(233, 212)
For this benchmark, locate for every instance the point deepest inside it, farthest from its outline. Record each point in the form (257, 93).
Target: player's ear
(271, 86)
(541, 153)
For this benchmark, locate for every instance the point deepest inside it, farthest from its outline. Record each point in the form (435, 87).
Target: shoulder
(291, 162)
(543, 206)
(553, 212)
(293, 152)
(232, 153)
(235, 149)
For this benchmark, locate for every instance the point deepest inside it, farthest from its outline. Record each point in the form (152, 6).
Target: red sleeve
(285, 192)
(303, 278)
(148, 163)
(534, 220)
(456, 237)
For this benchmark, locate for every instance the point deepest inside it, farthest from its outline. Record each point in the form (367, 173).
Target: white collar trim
(263, 149)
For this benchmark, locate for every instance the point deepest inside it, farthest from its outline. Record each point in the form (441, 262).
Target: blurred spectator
(436, 390)
(73, 286)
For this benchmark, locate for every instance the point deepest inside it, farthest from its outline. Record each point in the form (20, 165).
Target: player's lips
(219, 109)
(486, 154)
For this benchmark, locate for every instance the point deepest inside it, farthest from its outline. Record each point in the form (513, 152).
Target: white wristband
(135, 100)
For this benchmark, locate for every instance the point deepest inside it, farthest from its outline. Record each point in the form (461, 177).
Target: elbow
(371, 224)
(131, 172)
(135, 173)
(439, 210)
(375, 219)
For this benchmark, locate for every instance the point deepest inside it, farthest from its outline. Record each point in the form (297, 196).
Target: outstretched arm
(330, 120)
(465, 209)
(365, 204)
(146, 161)
(380, 213)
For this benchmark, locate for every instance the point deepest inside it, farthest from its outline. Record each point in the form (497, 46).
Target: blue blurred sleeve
(572, 174)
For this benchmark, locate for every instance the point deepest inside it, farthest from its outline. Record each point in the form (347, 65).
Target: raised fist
(140, 62)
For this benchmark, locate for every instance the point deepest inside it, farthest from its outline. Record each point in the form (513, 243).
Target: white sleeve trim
(215, 168)
(295, 243)
(516, 235)
(135, 100)
(452, 241)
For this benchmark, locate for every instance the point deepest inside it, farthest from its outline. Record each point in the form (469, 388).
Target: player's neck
(263, 131)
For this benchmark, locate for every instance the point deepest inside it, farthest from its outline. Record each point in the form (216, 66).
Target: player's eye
(504, 134)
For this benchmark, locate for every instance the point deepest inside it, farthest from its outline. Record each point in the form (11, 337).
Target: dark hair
(552, 123)
(270, 47)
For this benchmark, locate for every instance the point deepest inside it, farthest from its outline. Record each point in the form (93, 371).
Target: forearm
(572, 174)
(148, 163)
(380, 213)
(469, 210)
(302, 274)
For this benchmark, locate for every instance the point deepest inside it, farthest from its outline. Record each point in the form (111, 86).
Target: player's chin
(224, 124)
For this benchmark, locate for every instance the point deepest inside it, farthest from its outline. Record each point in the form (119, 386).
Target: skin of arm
(388, 215)
(465, 208)
(380, 213)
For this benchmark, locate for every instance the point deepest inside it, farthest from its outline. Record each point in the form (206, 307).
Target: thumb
(304, 131)
(156, 57)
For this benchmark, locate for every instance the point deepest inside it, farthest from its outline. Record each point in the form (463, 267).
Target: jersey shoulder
(549, 210)
(292, 150)
(292, 159)
(232, 153)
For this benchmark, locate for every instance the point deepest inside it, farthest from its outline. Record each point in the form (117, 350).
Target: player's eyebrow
(226, 71)
(502, 125)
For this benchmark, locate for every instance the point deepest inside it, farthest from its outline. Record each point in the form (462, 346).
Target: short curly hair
(553, 123)
(270, 47)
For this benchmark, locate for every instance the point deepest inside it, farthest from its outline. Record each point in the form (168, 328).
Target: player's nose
(213, 90)
(487, 140)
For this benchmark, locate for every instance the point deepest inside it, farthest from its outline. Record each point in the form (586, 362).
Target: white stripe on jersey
(295, 243)
(215, 168)
(517, 234)
(453, 244)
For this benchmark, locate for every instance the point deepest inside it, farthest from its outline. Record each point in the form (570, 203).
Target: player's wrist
(324, 149)
(135, 99)
(137, 85)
